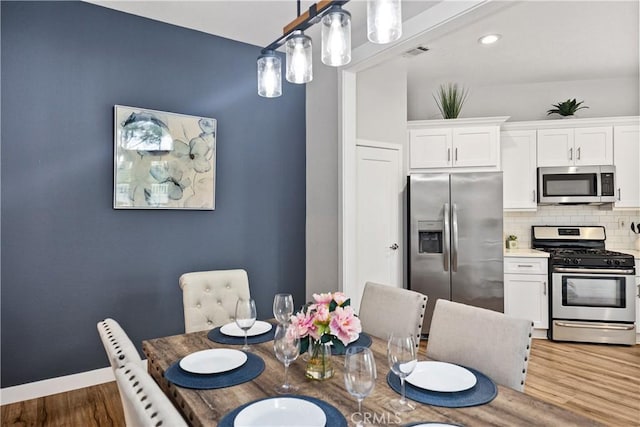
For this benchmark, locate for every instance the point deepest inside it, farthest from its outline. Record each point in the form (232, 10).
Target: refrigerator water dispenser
(430, 237)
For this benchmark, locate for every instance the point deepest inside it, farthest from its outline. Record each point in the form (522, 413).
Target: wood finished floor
(601, 382)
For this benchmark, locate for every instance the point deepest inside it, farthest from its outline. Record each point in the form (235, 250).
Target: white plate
(213, 361)
(258, 328)
(441, 376)
(281, 412)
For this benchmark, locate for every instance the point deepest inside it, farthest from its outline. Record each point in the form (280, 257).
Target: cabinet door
(519, 169)
(593, 146)
(525, 296)
(626, 158)
(475, 146)
(430, 148)
(555, 147)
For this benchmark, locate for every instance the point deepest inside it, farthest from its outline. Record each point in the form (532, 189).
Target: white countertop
(634, 252)
(525, 253)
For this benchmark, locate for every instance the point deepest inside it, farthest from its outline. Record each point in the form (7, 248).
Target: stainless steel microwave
(576, 185)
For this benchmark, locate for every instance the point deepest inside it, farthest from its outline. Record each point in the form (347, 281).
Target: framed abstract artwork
(163, 160)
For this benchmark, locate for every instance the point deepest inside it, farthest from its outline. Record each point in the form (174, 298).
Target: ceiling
(541, 40)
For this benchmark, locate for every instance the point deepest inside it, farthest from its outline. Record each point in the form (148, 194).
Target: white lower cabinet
(526, 294)
(638, 303)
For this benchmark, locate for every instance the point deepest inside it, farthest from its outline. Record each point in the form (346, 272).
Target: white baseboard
(56, 385)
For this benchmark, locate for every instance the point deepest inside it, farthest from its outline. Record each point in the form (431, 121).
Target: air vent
(418, 50)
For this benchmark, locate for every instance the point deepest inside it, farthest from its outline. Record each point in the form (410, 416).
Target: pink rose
(303, 323)
(322, 314)
(339, 298)
(345, 325)
(323, 298)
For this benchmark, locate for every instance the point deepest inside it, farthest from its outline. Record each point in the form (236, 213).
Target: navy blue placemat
(216, 336)
(363, 340)
(483, 392)
(334, 417)
(252, 368)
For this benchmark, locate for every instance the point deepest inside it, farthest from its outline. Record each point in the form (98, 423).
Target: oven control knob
(609, 261)
(577, 261)
(616, 262)
(566, 261)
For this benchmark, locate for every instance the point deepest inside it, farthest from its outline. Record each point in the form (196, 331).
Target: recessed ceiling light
(489, 39)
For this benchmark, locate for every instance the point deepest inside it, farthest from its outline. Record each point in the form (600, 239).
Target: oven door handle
(594, 326)
(593, 270)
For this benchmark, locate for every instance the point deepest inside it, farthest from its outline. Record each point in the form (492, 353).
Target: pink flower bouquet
(330, 318)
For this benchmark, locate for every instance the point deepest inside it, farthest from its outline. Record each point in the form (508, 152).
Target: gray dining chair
(386, 309)
(143, 401)
(209, 297)
(116, 342)
(493, 343)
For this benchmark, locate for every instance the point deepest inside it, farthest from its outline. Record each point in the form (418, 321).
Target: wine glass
(245, 318)
(359, 374)
(283, 307)
(401, 353)
(286, 345)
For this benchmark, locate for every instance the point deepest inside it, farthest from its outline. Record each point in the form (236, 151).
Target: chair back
(117, 344)
(386, 309)
(143, 401)
(493, 343)
(209, 297)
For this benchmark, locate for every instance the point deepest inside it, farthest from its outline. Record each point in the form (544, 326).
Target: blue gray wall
(69, 259)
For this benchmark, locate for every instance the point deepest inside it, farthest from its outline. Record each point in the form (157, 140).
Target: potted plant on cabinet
(566, 108)
(512, 241)
(450, 99)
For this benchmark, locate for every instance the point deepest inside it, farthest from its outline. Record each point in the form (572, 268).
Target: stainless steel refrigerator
(455, 239)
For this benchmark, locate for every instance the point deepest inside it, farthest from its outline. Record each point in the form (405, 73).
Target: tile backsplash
(519, 223)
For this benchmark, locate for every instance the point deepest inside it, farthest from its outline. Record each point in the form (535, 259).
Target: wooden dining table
(207, 407)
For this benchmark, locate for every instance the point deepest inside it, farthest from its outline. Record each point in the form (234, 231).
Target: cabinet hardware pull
(534, 195)
(394, 246)
(619, 194)
(525, 265)
(456, 154)
(639, 291)
(448, 154)
(578, 153)
(570, 153)
(545, 287)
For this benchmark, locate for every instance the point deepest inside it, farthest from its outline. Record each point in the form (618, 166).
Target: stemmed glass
(283, 307)
(245, 317)
(286, 345)
(359, 374)
(401, 353)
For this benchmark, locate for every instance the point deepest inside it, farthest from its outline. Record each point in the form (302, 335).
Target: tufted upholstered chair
(209, 297)
(143, 402)
(387, 309)
(117, 344)
(493, 343)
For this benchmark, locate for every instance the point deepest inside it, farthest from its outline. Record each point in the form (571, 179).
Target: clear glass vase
(319, 365)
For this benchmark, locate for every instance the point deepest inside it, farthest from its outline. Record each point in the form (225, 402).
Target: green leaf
(332, 305)
(339, 346)
(347, 303)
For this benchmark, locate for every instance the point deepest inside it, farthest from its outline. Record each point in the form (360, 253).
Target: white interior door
(378, 221)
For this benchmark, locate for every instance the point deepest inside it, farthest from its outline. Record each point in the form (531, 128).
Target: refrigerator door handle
(454, 238)
(447, 234)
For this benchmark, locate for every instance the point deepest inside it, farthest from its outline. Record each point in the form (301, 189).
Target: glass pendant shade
(269, 75)
(336, 37)
(384, 21)
(299, 66)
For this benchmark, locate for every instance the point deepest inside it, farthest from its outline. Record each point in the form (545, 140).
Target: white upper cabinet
(626, 158)
(519, 169)
(580, 146)
(455, 143)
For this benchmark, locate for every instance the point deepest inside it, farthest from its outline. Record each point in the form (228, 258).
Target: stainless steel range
(592, 295)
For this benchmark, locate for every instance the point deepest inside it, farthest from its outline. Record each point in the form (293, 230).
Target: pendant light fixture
(384, 21)
(383, 26)
(299, 60)
(269, 74)
(336, 37)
